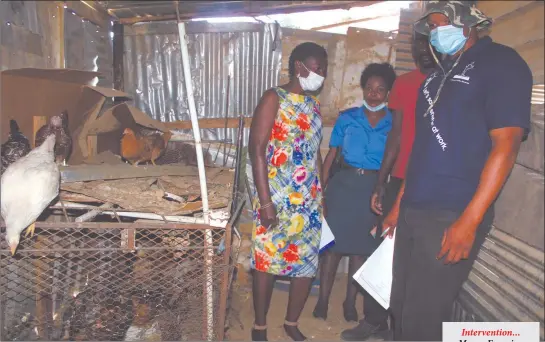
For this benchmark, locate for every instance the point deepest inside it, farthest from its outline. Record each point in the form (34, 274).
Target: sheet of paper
(375, 276)
(327, 239)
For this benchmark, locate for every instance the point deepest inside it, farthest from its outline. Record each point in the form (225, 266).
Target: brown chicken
(137, 149)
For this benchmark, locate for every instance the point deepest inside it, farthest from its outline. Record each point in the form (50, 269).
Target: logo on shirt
(434, 129)
(462, 77)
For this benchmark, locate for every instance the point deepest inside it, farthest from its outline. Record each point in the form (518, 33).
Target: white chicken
(27, 187)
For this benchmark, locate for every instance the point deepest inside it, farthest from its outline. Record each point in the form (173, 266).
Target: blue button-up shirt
(362, 145)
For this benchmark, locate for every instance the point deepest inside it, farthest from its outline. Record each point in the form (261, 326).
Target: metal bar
(240, 144)
(75, 250)
(134, 214)
(209, 283)
(224, 291)
(226, 118)
(117, 225)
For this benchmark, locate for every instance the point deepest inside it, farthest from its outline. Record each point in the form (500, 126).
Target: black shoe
(292, 331)
(363, 331)
(259, 334)
(350, 313)
(320, 311)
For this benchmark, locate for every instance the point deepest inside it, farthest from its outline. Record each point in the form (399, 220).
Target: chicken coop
(150, 251)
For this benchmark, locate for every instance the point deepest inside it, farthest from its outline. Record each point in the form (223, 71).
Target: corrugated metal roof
(136, 11)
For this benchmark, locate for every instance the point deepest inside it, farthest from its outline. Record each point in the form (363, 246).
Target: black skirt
(349, 215)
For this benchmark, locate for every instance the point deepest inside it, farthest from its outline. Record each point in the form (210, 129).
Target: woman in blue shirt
(360, 136)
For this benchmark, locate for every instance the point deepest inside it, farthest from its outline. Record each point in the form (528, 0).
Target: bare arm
(458, 239)
(390, 155)
(319, 166)
(329, 158)
(505, 146)
(260, 132)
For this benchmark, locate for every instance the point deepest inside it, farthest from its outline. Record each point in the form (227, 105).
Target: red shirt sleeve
(394, 100)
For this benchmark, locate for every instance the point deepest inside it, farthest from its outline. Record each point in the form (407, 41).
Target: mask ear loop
(445, 76)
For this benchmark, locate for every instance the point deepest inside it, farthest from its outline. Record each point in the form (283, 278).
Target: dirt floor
(241, 317)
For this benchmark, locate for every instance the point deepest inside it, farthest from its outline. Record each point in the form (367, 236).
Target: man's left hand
(457, 241)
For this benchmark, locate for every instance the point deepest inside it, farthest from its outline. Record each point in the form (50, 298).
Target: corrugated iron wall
(29, 38)
(249, 53)
(88, 47)
(27, 34)
(505, 285)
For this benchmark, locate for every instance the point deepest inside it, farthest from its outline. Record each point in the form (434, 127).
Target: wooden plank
(91, 146)
(118, 56)
(521, 27)
(533, 54)
(91, 11)
(83, 173)
(209, 123)
(218, 123)
(497, 9)
(252, 10)
(349, 22)
(37, 123)
(60, 22)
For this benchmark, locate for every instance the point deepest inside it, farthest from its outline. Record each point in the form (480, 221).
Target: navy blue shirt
(362, 145)
(490, 88)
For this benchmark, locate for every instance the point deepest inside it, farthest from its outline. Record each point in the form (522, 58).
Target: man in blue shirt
(472, 113)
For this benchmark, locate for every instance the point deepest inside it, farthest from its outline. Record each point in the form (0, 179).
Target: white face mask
(375, 108)
(312, 82)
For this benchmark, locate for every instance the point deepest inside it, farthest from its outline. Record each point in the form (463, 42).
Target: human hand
(376, 200)
(389, 222)
(268, 216)
(457, 241)
(324, 209)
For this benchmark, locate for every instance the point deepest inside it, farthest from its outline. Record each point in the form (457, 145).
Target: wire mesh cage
(115, 281)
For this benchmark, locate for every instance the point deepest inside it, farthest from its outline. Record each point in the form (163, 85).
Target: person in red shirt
(402, 101)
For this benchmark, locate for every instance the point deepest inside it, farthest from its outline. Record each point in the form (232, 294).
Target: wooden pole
(118, 54)
(62, 57)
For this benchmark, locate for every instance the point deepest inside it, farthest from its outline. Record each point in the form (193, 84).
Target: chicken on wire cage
(114, 282)
(120, 280)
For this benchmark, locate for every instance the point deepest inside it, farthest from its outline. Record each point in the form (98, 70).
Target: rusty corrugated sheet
(250, 53)
(505, 285)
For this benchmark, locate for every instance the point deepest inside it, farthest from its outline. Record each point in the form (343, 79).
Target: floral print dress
(291, 249)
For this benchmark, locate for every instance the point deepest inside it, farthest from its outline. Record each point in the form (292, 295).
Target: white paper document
(375, 276)
(327, 239)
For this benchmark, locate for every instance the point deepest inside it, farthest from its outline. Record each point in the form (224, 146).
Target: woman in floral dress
(284, 151)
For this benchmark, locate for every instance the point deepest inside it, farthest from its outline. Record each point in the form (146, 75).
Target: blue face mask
(375, 108)
(448, 39)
